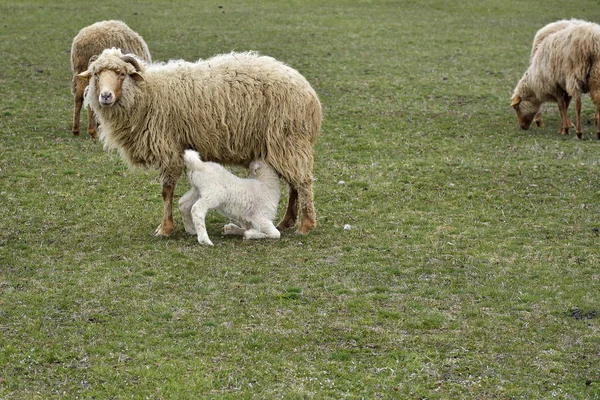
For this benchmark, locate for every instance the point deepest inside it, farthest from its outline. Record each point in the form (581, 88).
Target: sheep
(564, 66)
(540, 35)
(232, 108)
(89, 43)
(251, 203)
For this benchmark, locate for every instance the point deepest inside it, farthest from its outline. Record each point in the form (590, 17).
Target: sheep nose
(106, 97)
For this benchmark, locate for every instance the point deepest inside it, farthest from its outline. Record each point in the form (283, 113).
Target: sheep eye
(123, 75)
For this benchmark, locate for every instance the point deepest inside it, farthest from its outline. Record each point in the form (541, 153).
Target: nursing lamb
(251, 203)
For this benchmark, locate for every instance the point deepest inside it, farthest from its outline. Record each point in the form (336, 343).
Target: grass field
(471, 269)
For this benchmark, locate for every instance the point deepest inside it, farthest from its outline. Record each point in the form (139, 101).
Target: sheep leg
(185, 207)
(269, 229)
(199, 210)
(563, 105)
(538, 120)
(594, 83)
(253, 234)
(76, 114)
(166, 226)
(308, 209)
(291, 214)
(597, 121)
(92, 124)
(233, 229)
(262, 229)
(567, 102)
(578, 129)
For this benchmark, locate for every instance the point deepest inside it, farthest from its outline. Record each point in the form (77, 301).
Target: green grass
(471, 268)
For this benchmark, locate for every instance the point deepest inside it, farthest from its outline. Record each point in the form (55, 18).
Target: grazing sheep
(89, 42)
(540, 35)
(232, 108)
(251, 203)
(565, 65)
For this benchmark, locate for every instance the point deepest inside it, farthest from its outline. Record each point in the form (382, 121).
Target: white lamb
(251, 203)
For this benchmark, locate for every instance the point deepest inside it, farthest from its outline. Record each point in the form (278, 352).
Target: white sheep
(251, 203)
(89, 43)
(232, 108)
(540, 35)
(564, 66)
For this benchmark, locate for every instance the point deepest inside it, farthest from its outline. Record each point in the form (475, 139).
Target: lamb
(564, 65)
(232, 108)
(251, 203)
(88, 44)
(540, 35)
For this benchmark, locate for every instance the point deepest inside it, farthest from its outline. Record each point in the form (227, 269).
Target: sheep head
(526, 109)
(255, 168)
(109, 71)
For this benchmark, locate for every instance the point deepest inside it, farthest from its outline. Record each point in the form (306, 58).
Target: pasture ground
(471, 269)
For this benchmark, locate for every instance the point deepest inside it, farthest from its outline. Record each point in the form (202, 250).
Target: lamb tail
(192, 160)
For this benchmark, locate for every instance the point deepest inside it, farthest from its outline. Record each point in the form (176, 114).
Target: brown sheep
(232, 108)
(89, 42)
(565, 65)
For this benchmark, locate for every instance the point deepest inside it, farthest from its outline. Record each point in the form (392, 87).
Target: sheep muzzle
(108, 87)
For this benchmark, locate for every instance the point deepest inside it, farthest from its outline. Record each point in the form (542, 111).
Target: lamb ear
(515, 101)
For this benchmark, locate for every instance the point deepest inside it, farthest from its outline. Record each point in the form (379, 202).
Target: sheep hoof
(93, 134)
(579, 135)
(162, 231)
(232, 229)
(75, 133)
(307, 226)
(286, 224)
(205, 241)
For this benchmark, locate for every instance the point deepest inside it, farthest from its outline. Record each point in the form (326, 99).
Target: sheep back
(564, 59)
(93, 39)
(551, 28)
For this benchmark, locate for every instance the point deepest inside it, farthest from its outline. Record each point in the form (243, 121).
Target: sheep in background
(565, 64)
(251, 203)
(90, 42)
(551, 28)
(232, 108)
(540, 35)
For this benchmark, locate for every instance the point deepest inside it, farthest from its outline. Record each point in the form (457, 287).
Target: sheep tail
(192, 160)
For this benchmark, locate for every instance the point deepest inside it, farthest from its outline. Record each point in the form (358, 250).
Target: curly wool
(93, 39)
(551, 28)
(232, 108)
(562, 61)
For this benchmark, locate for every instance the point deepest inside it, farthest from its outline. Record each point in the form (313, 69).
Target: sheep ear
(93, 58)
(85, 75)
(515, 101)
(136, 76)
